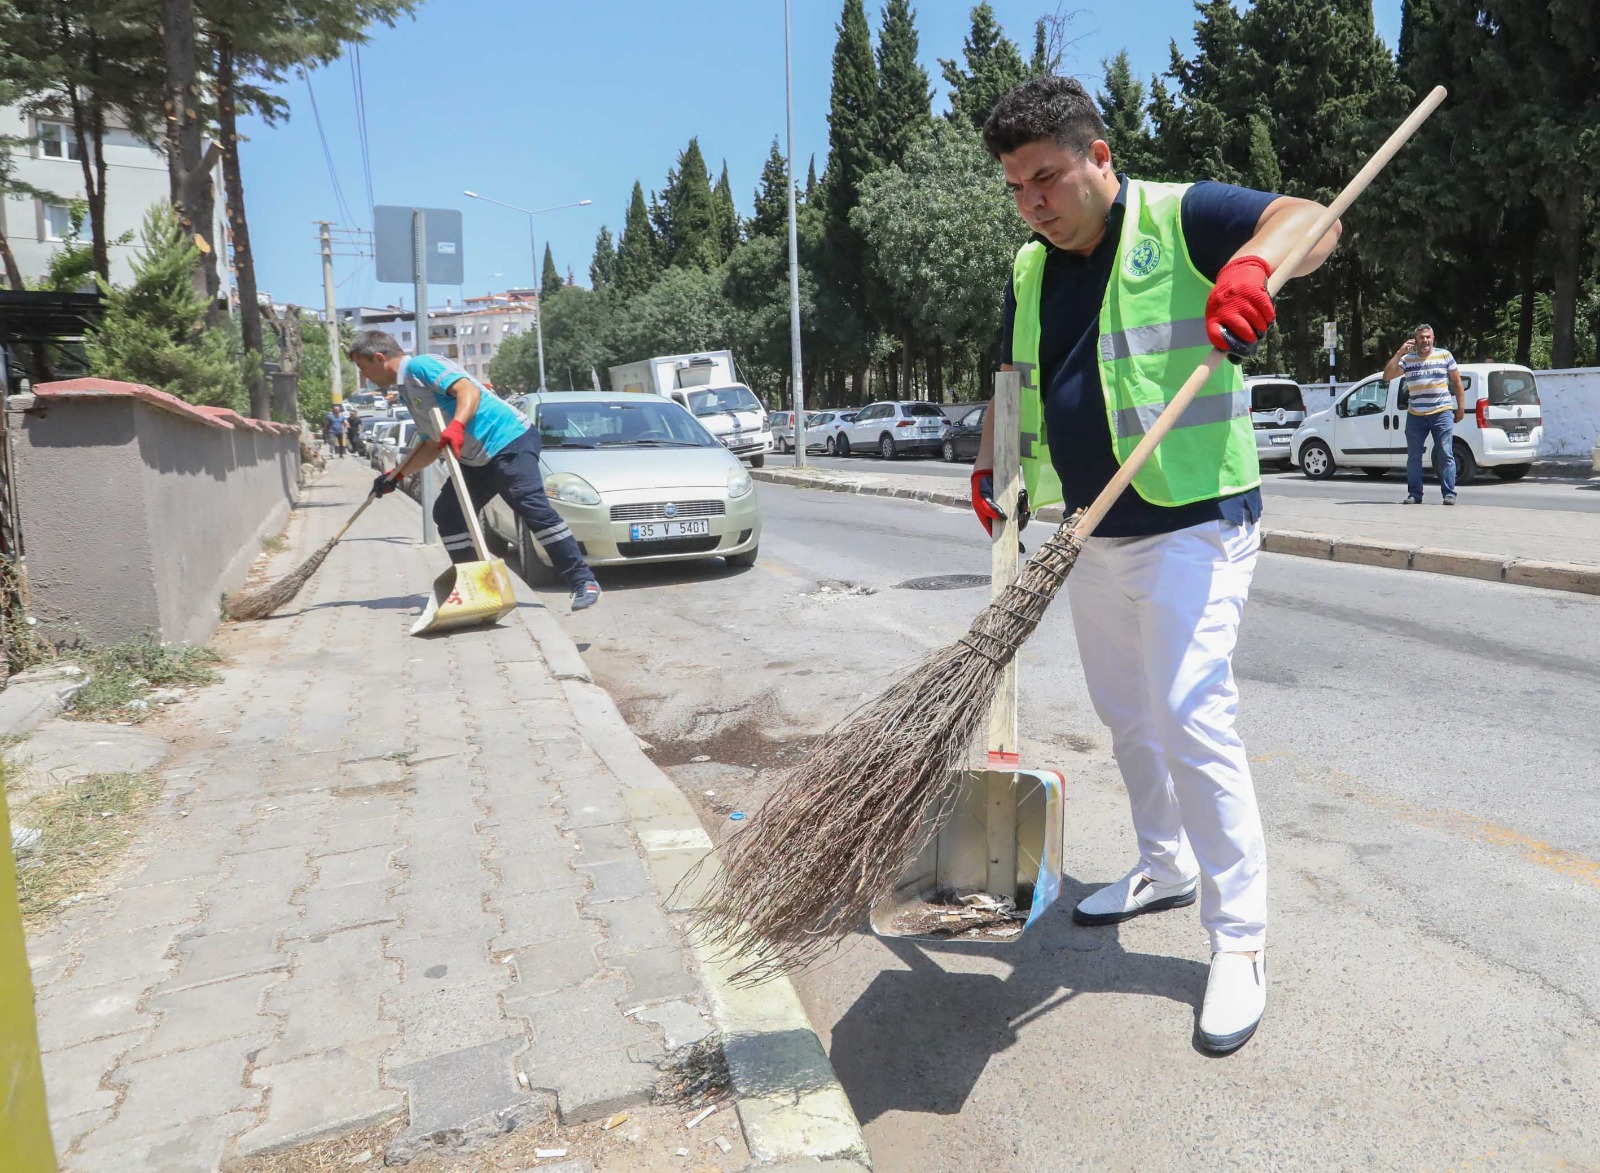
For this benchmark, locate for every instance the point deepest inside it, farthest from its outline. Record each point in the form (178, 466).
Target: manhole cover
(943, 582)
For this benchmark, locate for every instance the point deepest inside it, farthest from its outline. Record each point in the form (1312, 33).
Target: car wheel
(1376, 474)
(949, 451)
(886, 448)
(829, 448)
(748, 558)
(844, 445)
(1512, 472)
(534, 571)
(758, 461)
(1466, 463)
(1316, 460)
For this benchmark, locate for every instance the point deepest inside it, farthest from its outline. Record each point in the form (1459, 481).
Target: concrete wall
(138, 510)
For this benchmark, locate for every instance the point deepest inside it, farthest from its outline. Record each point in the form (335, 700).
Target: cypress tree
(993, 68)
(603, 268)
(772, 197)
(687, 215)
(729, 226)
(638, 255)
(1127, 132)
(852, 154)
(550, 281)
(811, 179)
(905, 100)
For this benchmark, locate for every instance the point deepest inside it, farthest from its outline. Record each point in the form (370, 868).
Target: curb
(793, 1109)
(1576, 577)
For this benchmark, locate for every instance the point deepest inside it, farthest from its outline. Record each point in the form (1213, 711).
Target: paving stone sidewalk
(387, 874)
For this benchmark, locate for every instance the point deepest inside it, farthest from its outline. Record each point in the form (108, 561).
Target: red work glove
(1240, 309)
(983, 502)
(452, 436)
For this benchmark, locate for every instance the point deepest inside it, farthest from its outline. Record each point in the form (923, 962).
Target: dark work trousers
(515, 475)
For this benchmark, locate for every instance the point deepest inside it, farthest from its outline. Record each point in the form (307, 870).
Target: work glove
(983, 502)
(386, 482)
(1240, 310)
(452, 436)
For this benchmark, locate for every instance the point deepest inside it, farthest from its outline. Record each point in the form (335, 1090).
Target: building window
(58, 222)
(487, 349)
(56, 141)
(470, 348)
(405, 338)
(511, 328)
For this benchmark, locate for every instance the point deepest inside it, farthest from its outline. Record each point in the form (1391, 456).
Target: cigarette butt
(548, 1154)
(701, 1115)
(522, 1080)
(619, 1118)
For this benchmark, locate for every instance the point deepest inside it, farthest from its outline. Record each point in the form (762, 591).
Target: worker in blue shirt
(497, 447)
(1123, 290)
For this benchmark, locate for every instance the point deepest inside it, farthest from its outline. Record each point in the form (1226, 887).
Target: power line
(358, 81)
(327, 155)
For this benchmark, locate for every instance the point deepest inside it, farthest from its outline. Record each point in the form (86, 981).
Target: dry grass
(121, 675)
(83, 827)
(845, 821)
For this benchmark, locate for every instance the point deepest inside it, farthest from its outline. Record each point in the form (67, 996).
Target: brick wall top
(211, 417)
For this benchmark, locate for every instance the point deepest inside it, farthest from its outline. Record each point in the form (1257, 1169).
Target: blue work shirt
(1218, 220)
(424, 382)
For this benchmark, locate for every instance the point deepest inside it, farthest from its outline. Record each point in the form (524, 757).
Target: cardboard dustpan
(469, 593)
(993, 867)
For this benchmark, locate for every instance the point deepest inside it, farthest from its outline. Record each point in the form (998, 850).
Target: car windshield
(1273, 396)
(1512, 389)
(637, 422)
(924, 409)
(715, 400)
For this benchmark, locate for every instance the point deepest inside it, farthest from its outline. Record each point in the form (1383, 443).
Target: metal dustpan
(469, 593)
(993, 868)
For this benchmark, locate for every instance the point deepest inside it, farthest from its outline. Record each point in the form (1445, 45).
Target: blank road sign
(391, 231)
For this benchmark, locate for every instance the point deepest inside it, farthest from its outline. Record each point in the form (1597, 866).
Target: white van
(1277, 408)
(1366, 427)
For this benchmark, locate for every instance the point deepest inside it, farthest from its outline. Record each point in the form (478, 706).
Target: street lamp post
(533, 247)
(798, 428)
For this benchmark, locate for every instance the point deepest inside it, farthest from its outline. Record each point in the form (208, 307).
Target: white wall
(1571, 405)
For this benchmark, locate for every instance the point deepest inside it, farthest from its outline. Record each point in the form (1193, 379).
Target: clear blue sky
(541, 102)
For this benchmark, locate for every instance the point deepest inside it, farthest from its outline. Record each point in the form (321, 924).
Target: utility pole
(799, 427)
(419, 276)
(336, 366)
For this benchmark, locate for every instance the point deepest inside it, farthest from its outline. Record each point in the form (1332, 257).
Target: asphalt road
(1424, 752)
(1531, 493)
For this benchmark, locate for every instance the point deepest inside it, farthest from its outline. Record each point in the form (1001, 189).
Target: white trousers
(1156, 621)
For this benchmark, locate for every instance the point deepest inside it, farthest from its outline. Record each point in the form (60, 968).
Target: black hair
(374, 344)
(1055, 108)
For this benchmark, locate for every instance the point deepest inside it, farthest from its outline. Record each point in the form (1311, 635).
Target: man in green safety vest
(1123, 289)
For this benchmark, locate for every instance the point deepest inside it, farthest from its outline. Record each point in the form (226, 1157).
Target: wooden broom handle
(1191, 387)
(460, 482)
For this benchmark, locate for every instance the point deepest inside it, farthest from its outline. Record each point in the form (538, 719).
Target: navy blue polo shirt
(1218, 220)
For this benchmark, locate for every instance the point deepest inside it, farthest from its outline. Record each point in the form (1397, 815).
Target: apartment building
(470, 334)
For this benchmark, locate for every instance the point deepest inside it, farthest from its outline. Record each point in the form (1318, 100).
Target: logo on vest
(1144, 258)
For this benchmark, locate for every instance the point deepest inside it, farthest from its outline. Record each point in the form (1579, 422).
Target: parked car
(823, 427)
(638, 479)
(1366, 427)
(782, 425)
(391, 441)
(1277, 408)
(962, 436)
(892, 429)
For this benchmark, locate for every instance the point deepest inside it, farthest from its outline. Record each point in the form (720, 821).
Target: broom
(842, 824)
(263, 601)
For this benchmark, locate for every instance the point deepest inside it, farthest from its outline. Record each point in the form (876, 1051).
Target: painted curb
(1576, 577)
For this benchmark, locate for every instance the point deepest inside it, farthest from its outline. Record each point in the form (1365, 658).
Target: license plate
(655, 531)
(1279, 439)
(1518, 437)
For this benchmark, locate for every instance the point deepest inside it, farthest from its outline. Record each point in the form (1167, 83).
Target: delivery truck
(708, 385)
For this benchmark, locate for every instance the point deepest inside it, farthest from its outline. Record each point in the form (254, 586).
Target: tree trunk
(1355, 357)
(1566, 219)
(189, 168)
(9, 260)
(908, 380)
(934, 357)
(243, 258)
(1528, 297)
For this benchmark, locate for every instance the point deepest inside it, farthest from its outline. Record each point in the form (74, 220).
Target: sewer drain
(943, 582)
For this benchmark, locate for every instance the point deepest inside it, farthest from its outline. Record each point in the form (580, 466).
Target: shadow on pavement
(918, 1040)
(392, 603)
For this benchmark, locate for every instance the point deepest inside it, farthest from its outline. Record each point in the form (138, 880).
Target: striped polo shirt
(1428, 381)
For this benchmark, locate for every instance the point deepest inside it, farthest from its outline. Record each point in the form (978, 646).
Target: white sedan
(639, 480)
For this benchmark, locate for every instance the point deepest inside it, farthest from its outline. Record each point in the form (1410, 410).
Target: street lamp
(533, 247)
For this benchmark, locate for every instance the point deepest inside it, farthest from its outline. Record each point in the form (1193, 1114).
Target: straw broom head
(263, 601)
(844, 822)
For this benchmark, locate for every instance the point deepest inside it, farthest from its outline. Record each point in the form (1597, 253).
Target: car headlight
(571, 488)
(739, 482)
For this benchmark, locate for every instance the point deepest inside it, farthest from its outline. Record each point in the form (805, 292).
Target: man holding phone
(1431, 379)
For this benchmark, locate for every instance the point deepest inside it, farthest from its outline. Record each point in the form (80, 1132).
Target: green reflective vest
(1152, 336)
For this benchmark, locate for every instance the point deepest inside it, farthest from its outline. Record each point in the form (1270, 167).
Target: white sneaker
(1132, 895)
(1236, 998)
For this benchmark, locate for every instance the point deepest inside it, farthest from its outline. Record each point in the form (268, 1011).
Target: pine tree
(772, 197)
(905, 100)
(994, 68)
(154, 331)
(729, 227)
(686, 216)
(638, 253)
(852, 156)
(1122, 108)
(550, 281)
(811, 179)
(603, 268)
